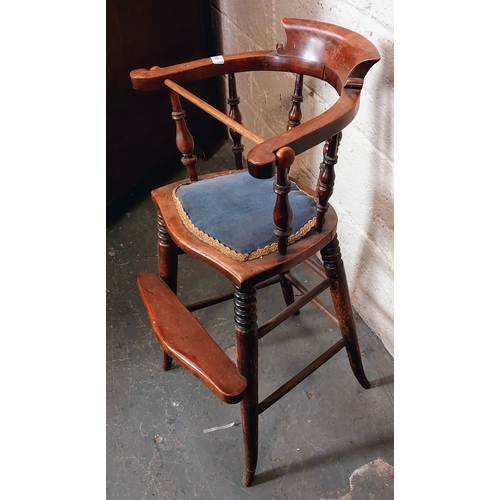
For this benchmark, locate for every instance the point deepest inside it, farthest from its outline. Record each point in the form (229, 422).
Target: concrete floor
(328, 439)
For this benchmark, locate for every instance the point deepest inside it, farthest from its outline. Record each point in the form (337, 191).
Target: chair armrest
(261, 159)
(262, 60)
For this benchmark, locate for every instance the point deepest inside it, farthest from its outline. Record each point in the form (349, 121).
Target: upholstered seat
(234, 213)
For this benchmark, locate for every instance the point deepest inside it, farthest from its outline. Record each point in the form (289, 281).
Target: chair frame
(330, 53)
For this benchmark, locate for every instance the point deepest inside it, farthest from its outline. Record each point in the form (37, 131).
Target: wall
(363, 195)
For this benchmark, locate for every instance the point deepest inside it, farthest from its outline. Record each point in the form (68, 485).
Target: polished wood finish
(235, 114)
(226, 120)
(294, 381)
(183, 138)
(326, 179)
(246, 336)
(294, 118)
(292, 308)
(227, 296)
(341, 58)
(185, 340)
(282, 214)
(168, 258)
(287, 291)
(295, 115)
(262, 60)
(315, 301)
(168, 254)
(334, 267)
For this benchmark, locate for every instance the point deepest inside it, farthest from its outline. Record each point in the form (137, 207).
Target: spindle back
(334, 54)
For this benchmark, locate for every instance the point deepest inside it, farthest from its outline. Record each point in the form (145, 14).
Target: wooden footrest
(185, 340)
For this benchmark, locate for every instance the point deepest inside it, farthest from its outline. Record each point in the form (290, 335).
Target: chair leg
(334, 267)
(246, 334)
(287, 291)
(167, 362)
(168, 257)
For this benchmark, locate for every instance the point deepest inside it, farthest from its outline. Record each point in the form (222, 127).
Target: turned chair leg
(246, 334)
(334, 267)
(168, 256)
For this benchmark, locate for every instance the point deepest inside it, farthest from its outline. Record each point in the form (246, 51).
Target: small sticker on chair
(217, 59)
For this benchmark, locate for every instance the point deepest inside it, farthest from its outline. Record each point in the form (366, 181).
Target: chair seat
(234, 213)
(239, 272)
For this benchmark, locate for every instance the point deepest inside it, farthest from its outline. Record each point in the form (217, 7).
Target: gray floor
(327, 439)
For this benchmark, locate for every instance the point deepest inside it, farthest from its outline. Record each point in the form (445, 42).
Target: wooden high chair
(254, 225)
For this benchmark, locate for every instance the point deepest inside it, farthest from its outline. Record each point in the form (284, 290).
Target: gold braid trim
(260, 252)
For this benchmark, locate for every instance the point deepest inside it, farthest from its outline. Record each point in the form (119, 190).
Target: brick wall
(363, 195)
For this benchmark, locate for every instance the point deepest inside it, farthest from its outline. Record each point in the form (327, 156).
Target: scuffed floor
(168, 437)
(372, 481)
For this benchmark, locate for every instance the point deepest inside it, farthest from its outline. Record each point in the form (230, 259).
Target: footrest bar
(227, 296)
(295, 306)
(316, 266)
(288, 386)
(317, 302)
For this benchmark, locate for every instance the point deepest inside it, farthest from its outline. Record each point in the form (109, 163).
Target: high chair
(255, 224)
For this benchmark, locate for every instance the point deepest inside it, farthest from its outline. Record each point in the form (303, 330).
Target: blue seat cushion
(234, 213)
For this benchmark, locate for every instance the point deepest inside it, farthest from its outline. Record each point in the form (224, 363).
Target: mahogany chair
(255, 224)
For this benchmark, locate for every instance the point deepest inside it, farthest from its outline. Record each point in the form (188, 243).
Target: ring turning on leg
(334, 267)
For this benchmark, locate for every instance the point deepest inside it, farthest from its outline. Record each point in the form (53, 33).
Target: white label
(217, 59)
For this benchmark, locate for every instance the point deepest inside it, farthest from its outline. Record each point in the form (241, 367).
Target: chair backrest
(337, 55)
(331, 53)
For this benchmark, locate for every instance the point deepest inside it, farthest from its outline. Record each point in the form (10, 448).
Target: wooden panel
(140, 132)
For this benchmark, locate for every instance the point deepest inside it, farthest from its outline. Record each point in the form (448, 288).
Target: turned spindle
(183, 138)
(326, 178)
(295, 114)
(235, 114)
(246, 337)
(282, 214)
